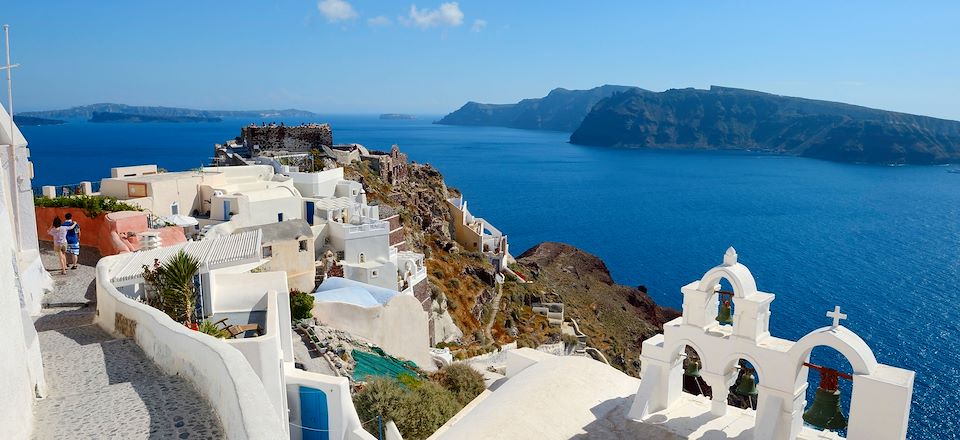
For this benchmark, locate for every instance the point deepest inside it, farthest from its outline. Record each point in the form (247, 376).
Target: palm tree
(176, 288)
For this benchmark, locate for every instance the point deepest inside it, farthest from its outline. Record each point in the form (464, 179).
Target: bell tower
(776, 378)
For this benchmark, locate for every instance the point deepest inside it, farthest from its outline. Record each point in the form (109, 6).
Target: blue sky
(359, 56)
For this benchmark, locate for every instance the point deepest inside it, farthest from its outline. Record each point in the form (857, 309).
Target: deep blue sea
(881, 242)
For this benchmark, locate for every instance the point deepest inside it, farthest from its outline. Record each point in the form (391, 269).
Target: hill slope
(560, 110)
(726, 118)
(87, 112)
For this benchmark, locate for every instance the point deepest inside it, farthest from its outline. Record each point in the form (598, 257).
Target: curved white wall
(220, 372)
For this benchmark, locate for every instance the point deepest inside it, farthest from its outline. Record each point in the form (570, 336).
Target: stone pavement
(102, 387)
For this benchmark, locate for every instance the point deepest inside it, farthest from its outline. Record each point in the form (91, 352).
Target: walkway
(103, 387)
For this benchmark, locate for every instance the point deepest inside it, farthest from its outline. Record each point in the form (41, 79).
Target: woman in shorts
(59, 234)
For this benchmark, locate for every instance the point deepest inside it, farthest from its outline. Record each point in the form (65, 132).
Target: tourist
(59, 234)
(73, 240)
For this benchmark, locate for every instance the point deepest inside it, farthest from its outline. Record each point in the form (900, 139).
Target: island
(397, 116)
(724, 118)
(26, 121)
(738, 119)
(560, 110)
(86, 112)
(127, 117)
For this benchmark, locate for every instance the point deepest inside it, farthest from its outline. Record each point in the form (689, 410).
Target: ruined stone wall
(392, 166)
(297, 139)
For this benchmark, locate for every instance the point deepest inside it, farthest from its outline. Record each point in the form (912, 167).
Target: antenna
(9, 68)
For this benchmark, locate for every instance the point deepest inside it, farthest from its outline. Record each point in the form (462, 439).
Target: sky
(430, 57)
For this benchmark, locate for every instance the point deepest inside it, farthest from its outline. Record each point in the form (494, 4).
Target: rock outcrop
(616, 318)
(726, 118)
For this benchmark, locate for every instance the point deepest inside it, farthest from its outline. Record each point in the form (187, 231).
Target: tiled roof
(212, 253)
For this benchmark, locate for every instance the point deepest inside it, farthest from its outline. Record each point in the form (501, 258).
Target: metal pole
(380, 425)
(6, 34)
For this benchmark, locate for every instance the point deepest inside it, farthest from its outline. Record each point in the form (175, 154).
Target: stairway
(103, 387)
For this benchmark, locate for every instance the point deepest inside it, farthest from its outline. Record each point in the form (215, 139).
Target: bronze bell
(725, 316)
(691, 367)
(747, 386)
(825, 412)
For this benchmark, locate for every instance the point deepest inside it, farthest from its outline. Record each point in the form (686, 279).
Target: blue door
(310, 212)
(226, 210)
(313, 414)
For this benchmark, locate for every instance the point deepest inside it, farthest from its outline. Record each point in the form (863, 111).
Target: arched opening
(827, 398)
(362, 258)
(744, 393)
(725, 306)
(692, 382)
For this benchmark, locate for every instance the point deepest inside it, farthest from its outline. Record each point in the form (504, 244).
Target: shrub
(212, 330)
(301, 305)
(171, 288)
(417, 409)
(425, 409)
(454, 283)
(462, 380)
(379, 397)
(92, 206)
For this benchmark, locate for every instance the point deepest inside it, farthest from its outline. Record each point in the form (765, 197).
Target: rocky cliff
(560, 110)
(616, 318)
(726, 118)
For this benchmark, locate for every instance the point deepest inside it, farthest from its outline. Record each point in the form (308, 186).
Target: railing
(68, 189)
(367, 227)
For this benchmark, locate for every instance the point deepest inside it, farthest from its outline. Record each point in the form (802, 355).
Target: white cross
(837, 316)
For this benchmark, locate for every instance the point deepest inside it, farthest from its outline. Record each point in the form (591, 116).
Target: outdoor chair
(237, 330)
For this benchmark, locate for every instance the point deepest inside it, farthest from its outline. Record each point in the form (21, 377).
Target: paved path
(106, 388)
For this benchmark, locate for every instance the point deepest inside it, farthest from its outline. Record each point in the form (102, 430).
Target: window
(174, 208)
(303, 245)
(362, 259)
(374, 274)
(136, 190)
(267, 251)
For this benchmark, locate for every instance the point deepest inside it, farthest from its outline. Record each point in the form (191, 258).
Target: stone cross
(837, 316)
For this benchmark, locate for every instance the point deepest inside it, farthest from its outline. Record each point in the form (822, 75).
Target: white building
(478, 235)
(23, 281)
(395, 321)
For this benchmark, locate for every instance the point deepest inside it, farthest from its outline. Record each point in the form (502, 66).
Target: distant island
(127, 117)
(724, 118)
(561, 110)
(402, 116)
(25, 121)
(86, 112)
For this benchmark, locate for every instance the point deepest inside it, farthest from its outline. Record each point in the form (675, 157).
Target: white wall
(320, 184)
(21, 372)
(219, 372)
(399, 327)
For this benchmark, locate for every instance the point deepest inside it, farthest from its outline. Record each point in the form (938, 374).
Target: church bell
(747, 386)
(825, 412)
(691, 368)
(724, 317)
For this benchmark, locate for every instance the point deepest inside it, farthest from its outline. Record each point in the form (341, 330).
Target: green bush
(418, 411)
(170, 286)
(462, 380)
(212, 330)
(92, 206)
(301, 305)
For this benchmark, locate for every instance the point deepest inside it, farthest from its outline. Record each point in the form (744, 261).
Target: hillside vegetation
(615, 318)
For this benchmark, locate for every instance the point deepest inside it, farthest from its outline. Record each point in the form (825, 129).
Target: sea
(881, 242)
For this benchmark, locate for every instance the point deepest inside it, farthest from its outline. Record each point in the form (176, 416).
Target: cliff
(87, 111)
(616, 318)
(560, 110)
(726, 118)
